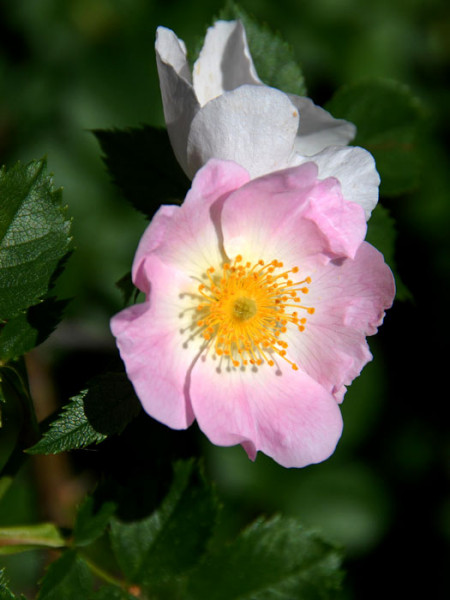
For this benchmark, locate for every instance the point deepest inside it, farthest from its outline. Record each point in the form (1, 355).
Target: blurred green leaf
(128, 289)
(92, 521)
(29, 329)
(112, 592)
(382, 234)
(28, 537)
(271, 559)
(274, 59)
(158, 550)
(388, 118)
(5, 592)
(105, 408)
(67, 578)
(34, 236)
(142, 164)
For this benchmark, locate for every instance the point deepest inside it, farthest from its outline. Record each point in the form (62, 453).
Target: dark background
(69, 67)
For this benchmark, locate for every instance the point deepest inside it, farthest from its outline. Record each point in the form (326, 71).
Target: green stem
(15, 388)
(102, 574)
(16, 375)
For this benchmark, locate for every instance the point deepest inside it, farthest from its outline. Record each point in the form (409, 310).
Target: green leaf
(142, 164)
(19, 425)
(29, 537)
(274, 59)
(112, 592)
(70, 430)
(67, 578)
(382, 234)
(277, 559)
(105, 408)
(34, 236)
(5, 592)
(29, 329)
(128, 289)
(92, 521)
(156, 551)
(11, 421)
(388, 118)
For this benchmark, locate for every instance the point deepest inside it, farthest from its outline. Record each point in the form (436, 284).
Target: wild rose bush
(252, 291)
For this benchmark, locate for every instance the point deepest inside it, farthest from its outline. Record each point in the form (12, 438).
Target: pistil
(246, 309)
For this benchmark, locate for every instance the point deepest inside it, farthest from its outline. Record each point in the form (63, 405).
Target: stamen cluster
(247, 307)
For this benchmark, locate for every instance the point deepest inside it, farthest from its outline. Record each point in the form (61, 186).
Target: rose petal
(180, 103)
(354, 167)
(193, 237)
(291, 216)
(224, 63)
(350, 298)
(155, 353)
(343, 223)
(151, 238)
(286, 414)
(254, 126)
(318, 129)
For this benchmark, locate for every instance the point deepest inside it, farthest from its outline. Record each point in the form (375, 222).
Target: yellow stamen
(245, 307)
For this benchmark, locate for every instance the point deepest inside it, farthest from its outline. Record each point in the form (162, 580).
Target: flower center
(245, 310)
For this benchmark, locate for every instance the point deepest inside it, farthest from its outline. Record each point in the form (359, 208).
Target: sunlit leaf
(28, 537)
(105, 408)
(34, 236)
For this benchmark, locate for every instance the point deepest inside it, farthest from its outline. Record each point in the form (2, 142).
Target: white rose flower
(223, 110)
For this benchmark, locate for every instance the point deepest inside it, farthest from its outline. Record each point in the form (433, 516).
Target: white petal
(224, 63)
(254, 126)
(172, 51)
(318, 129)
(354, 168)
(179, 101)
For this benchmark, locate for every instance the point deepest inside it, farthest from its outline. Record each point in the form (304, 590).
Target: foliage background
(69, 67)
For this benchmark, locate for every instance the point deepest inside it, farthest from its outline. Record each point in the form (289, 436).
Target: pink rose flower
(259, 295)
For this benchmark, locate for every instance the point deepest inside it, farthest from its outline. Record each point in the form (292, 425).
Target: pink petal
(349, 297)
(286, 415)
(155, 353)
(343, 223)
(354, 168)
(152, 237)
(290, 216)
(189, 237)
